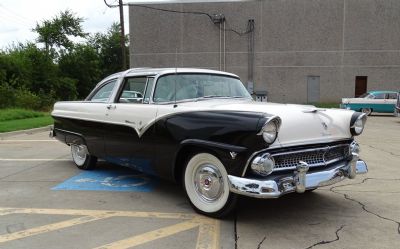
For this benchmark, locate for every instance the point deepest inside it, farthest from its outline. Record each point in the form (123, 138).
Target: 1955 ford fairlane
(202, 128)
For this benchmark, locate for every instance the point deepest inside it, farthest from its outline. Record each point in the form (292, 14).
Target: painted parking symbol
(108, 180)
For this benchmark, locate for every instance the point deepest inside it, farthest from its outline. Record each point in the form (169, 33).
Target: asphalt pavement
(46, 202)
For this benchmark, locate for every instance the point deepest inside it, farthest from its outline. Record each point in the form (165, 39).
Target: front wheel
(81, 157)
(367, 111)
(206, 185)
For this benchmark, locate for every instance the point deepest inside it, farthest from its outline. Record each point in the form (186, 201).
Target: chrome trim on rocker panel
(65, 131)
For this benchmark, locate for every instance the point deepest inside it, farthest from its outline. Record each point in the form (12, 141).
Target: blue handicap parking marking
(109, 180)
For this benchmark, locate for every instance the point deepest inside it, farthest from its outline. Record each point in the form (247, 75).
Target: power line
(210, 16)
(13, 18)
(122, 35)
(16, 14)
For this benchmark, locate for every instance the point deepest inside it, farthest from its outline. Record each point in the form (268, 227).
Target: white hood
(299, 124)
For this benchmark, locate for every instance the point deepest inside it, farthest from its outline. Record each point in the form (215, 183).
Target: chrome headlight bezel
(270, 129)
(357, 123)
(263, 165)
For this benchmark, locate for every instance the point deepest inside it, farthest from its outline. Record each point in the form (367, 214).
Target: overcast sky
(18, 17)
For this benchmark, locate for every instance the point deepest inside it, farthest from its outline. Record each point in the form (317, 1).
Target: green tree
(109, 49)
(82, 64)
(56, 32)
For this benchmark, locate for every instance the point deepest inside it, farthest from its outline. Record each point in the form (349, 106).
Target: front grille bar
(314, 157)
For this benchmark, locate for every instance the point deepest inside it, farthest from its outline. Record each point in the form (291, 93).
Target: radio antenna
(176, 74)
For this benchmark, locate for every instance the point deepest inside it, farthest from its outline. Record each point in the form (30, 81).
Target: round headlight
(359, 126)
(270, 131)
(358, 123)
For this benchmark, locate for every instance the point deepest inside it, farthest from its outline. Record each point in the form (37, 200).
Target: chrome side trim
(279, 186)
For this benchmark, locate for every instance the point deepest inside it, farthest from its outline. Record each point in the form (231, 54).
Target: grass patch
(14, 114)
(14, 119)
(27, 123)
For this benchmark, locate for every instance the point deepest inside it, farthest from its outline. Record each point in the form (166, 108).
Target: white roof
(160, 71)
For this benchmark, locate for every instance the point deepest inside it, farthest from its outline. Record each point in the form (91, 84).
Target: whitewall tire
(367, 111)
(81, 157)
(206, 185)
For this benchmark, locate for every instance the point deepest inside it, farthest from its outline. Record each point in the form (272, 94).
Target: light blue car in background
(372, 101)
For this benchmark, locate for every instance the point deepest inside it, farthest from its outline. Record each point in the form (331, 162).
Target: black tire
(310, 190)
(367, 111)
(202, 172)
(81, 157)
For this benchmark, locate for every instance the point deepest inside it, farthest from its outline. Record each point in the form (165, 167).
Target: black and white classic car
(202, 128)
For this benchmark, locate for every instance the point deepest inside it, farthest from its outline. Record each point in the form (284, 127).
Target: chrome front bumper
(396, 112)
(299, 181)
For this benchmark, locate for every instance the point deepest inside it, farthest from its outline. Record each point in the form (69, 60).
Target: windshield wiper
(221, 96)
(214, 96)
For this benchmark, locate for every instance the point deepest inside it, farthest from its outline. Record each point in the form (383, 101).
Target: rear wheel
(366, 111)
(81, 157)
(206, 185)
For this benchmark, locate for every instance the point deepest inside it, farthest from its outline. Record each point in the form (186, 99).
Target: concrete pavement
(360, 213)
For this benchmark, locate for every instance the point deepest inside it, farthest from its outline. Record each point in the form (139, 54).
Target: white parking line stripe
(50, 227)
(23, 141)
(85, 212)
(151, 236)
(32, 160)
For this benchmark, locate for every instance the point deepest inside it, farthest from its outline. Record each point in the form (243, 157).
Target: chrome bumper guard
(51, 134)
(299, 182)
(396, 112)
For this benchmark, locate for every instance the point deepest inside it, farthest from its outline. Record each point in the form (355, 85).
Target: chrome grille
(313, 157)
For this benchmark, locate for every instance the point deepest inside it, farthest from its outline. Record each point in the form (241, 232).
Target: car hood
(355, 100)
(301, 124)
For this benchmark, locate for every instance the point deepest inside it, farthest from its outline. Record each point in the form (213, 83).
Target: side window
(379, 96)
(392, 95)
(165, 89)
(149, 88)
(104, 93)
(133, 90)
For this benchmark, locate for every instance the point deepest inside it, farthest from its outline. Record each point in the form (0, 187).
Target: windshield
(176, 87)
(366, 96)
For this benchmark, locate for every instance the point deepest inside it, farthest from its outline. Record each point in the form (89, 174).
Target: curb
(30, 131)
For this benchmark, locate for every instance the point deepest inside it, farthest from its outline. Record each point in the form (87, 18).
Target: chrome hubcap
(79, 153)
(208, 182)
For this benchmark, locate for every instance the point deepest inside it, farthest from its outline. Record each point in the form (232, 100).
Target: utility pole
(121, 20)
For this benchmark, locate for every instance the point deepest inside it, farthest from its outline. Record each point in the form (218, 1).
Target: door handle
(109, 107)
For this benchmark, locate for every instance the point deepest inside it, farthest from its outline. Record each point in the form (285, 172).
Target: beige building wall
(336, 40)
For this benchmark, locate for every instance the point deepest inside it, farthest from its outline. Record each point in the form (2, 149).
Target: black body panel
(167, 143)
(214, 131)
(92, 133)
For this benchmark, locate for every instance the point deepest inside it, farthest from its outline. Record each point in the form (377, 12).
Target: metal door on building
(361, 85)
(313, 91)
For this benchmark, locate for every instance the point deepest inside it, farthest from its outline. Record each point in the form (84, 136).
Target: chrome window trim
(100, 86)
(185, 100)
